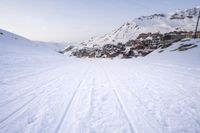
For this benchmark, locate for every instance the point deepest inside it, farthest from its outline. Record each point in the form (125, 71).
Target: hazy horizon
(73, 21)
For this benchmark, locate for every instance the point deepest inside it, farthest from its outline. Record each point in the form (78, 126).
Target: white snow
(154, 23)
(42, 91)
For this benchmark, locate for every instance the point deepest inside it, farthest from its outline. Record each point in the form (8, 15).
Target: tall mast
(195, 34)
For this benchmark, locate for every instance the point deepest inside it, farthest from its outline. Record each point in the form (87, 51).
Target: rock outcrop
(142, 46)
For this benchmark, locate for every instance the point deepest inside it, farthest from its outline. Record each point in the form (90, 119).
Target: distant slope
(180, 20)
(12, 43)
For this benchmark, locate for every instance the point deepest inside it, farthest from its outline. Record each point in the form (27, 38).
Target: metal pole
(195, 34)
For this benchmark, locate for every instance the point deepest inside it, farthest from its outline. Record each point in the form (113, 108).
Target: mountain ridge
(179, 20)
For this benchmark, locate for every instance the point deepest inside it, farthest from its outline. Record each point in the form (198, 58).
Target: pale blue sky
(76, 20)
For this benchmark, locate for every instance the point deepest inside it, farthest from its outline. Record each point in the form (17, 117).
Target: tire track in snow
(27, 92)
(26, 103)
(92, 93)
(159, 127)
(139, 105)
(91, 105)
(39, 94)
(17, 110)
(103, 113)
(60, 123)
(121, 104)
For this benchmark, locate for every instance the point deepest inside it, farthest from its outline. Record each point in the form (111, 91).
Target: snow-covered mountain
(180, 20)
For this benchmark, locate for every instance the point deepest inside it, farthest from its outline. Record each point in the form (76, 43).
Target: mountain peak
(179, 20)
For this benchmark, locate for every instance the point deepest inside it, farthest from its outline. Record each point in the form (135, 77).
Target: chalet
(176, 35)
(191, 34)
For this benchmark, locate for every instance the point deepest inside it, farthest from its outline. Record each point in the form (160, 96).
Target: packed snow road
(70, 95)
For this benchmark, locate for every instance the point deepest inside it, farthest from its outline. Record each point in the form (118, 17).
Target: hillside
(12, 43)
(180, 20)
(43, 91)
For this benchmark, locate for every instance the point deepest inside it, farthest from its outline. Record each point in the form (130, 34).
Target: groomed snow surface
(42, 91)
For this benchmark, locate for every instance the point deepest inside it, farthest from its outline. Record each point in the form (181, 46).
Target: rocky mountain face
(140, 36)
(180, 20)
(144, 44)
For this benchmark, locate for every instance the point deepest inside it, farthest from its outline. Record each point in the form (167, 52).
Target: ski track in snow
(42, 91)
(69, 104)
(122, 105)
(100, 96)
(38, 96)
(146, 97)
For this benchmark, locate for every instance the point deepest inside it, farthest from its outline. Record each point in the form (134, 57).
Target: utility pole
(195, 34)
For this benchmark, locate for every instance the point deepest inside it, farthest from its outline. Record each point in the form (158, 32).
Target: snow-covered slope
(12, 43)
(42, 91)
(188, 57)
(180, 20)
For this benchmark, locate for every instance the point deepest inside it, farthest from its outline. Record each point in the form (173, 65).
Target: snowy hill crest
(179, 20)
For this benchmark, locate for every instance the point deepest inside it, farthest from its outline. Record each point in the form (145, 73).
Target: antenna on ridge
(195, 34)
